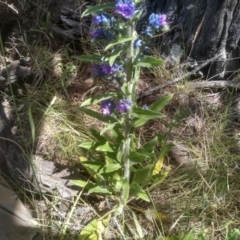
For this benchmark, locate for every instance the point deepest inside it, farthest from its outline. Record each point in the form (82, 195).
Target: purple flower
(97, 70)
(125, 8)
(157, 20)
(137, 43)
(107, 107)
(101, 33)
(100, 19)
(162, 20)
(105, 69)
(124, 105)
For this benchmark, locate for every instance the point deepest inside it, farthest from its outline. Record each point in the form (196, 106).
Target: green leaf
(146, 114)
(189, 236)
(138, 226)
(124, 88)
(95, 166)
(97, 135)
(104, 147)
(87, 145)
(161, 103)
(148, 61)
(137, 157)
(118, 41)
(140, 122)
(137, 190)
(110, 168)
(95, 229)
(99, 189)
(96, 99)
(136, 73)
(165, 149)
(98, 8)
(142, 174)
(201, 237)
(148, 147)
(99, 116)
(79, 183)
(108, 127)
(98, 146)
(90, 58)
(114, 55)
(234, 235)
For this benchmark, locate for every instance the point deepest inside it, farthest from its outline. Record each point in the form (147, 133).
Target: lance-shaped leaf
(146, 113)
(98, 146)
(118, 41)
(99, 98)
(110, 168)
(98, 8)
(137, 190)
(114, 55)
(99, 116)
(95, 228)
(99, 189)
(148, 61)
(158, 105)
(137, 157)
(142, 174)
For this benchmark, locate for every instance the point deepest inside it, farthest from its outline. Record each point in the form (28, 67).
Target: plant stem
(127, 126)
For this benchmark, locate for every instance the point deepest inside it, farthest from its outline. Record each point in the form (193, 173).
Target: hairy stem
(127, 118)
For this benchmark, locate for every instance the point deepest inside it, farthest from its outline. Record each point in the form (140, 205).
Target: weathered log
(16, 221)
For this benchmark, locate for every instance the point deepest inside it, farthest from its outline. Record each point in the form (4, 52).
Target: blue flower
(145, 107)
(100, 19)
(125, 8)
(107, 107)
(148, 31)
(117, 68)
(157, 20)
(124, 105)
(137, 43)
(153, 20)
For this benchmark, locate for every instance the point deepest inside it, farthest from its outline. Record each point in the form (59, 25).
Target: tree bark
(200, 30)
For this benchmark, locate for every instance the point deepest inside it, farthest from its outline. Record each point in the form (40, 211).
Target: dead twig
(178, 79)
(215, 84)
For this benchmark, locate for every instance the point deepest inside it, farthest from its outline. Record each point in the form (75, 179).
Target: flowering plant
(123, 168)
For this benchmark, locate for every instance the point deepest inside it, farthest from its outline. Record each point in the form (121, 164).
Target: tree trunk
(200, 30)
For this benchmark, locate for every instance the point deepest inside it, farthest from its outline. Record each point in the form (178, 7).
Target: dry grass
(202, 197)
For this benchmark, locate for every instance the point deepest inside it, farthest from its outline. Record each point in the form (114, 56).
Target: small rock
(88, 83)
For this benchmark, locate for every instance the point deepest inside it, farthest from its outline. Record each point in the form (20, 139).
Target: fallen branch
(189, 74)
(215, 84)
